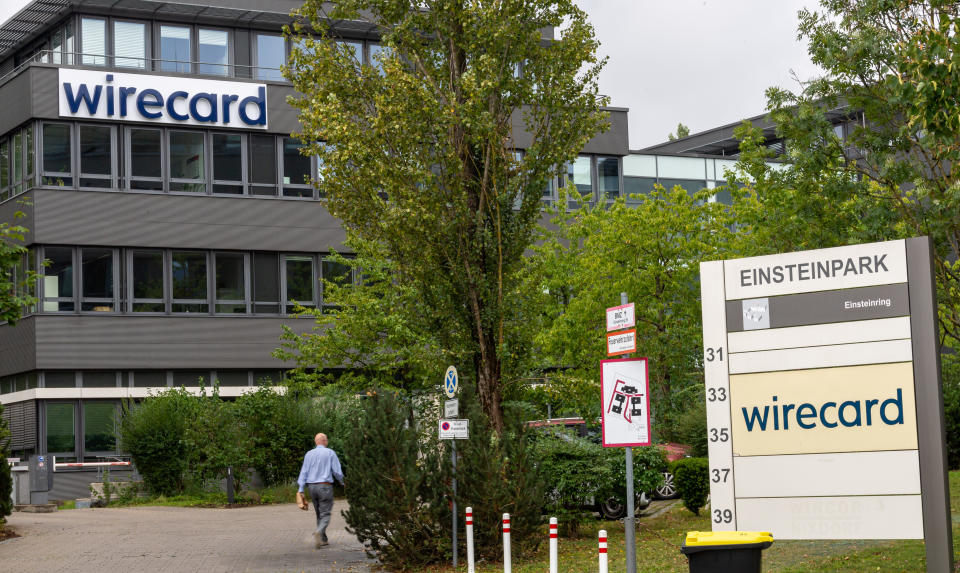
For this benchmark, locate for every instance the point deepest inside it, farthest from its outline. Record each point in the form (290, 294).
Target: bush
(951, 407)
(572, 470)
(692, 477)
(215, 441)
(153, 432)
(692, 427)
(6, 478)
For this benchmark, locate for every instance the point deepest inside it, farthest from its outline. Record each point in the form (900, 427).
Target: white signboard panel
(626, 402)
(621, 342)
(454, 429)
(198, 102)
(451, 408)
(811, 396)
(620, 317)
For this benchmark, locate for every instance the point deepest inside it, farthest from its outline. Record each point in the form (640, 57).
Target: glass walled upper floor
(172, 47)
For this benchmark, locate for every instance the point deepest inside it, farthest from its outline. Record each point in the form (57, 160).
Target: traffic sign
(621, 342)
(454, 429)
(451, 381)
(626, 402)
(620, 317)
(451, 408)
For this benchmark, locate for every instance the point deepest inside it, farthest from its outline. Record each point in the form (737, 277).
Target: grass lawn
(659, 541)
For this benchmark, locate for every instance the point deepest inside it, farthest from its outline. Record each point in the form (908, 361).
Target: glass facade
(270, 56)
(175, 52)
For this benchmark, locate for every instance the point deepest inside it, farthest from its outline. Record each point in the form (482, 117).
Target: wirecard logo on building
(162, 99)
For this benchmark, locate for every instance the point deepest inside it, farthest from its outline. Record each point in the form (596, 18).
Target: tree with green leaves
(650, 250)
(682, 131)
(419, 159)
(892, 77)
(16, 279)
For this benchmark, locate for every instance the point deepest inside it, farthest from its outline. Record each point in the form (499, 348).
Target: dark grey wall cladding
(132, 342)
(613, 142)
(21, 418)
(18, 347)
(76, 484)
(16, 97)
(24, 204)
(281, 116)
(158, 220)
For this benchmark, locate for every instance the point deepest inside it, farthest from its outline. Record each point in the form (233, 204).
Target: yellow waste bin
(726, 551)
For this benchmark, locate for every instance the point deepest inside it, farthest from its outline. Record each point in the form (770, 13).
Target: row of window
(167, 281)
(136, 379)
(169, 47)
(101, 156)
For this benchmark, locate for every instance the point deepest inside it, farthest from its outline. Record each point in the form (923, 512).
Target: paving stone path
(275, 538)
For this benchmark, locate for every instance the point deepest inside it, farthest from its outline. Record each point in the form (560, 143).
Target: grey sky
(703, 62)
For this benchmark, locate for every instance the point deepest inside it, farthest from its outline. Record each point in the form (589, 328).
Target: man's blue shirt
(320, 465)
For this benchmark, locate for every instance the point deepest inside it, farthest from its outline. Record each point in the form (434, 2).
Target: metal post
(628, 525)
(507, 567)
(602, 550)
(229, 485)
(453, 456)
(469, 520)
(553, 545)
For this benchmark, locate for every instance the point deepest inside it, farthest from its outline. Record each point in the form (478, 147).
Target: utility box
(21, 484)
(41, 479)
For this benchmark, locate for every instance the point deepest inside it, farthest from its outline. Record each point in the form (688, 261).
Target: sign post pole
(451, 382)
(628, 525)
(453, 456)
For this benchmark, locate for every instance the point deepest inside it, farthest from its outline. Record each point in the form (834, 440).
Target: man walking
(320, 467)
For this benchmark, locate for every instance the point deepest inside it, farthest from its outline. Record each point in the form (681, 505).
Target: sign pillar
(630, 534)
(451, 383)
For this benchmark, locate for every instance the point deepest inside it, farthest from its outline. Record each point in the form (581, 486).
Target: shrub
(692, 477)
(153, 432)
(214, 441)
(573, 470)
(951, 407)
(692, 427)
(6, 478)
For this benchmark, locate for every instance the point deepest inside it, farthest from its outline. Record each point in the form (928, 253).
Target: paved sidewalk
(263, 538)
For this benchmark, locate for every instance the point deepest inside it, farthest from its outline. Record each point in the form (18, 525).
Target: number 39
(722, 516)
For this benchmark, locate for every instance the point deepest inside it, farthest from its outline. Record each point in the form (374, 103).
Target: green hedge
(692, 478)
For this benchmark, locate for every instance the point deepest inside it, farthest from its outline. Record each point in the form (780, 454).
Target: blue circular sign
(451, 382)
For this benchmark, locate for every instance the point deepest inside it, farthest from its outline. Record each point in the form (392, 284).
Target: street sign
(451, 381)
(621, 342)
(626, 402)
(822, 394)
(451, 408)
(620, 317)
(454, 429)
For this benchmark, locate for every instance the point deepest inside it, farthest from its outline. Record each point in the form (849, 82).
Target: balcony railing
(134, 64)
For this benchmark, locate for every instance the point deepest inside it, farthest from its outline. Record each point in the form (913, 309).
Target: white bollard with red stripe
(506, 544)
(553, 545)
(469, 521)
(603, 551)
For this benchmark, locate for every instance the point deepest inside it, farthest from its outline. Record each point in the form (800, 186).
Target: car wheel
(612, 508)
(668, 490)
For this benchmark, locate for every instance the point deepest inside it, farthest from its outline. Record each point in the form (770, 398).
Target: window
(191, 378)
(299, 281)
(263, 165)
(98, 380)
(56, 155)
(130, 45)
(28, 160)
(213, 52)
(189, 279)
(233, 377)
(97, 272)
(4, 169)
(228, 163)
(580, 174)
(145, 159)
(61, 436)
(147, 281)
(149, 379)
(231, 289)
(296, 170)
(175, 49)
(334, 272)
(186, 161)
(96, 156)
(17, 163)
(377, 52)
(608, 177)
(99, 429)
(356, 48)
(58, 279)
(266, 283)
(68, 47)
(270, 56)
(93, 42)
(54, 379)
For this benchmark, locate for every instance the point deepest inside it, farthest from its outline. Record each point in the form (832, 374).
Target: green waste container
(726, 551)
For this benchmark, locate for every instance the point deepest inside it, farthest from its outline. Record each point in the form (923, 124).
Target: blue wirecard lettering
(179, 105)
(849, 414)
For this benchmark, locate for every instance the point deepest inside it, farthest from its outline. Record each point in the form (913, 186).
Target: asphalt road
(273, 538)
